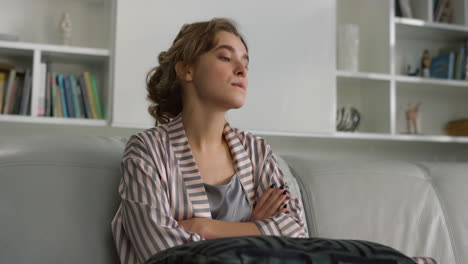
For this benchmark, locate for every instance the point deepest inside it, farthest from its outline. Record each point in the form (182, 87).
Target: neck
(204, 129)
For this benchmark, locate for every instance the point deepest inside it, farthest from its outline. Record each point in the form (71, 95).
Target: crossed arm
(269, 204)
(150, 227)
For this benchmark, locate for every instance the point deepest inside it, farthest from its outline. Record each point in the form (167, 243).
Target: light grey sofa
(58, 196)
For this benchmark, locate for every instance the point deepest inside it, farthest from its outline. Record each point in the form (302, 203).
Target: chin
(235, 104)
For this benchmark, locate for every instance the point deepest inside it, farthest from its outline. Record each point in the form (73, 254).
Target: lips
(239, 84)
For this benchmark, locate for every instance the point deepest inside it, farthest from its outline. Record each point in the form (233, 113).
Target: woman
(193, 176)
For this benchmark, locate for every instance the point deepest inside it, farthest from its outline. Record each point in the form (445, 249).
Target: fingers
(283, 209)
(265, 196)
(276, 200)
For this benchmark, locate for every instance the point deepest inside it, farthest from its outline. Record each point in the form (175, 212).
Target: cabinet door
(291, 46)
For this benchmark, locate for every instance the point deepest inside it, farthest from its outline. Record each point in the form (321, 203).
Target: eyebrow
(231, 49)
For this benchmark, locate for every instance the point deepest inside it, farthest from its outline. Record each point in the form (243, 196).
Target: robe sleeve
(281, 224)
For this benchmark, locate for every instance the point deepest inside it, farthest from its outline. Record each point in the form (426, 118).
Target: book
(84, 92)
(26, 93)
(79, 96)
(42, 88)
(96, 97)
(53, 86)
(442, 66)
(19, 86)
(439, 10)
(69, 97)
(58, 94)
(48, 95)
(2, 89)
(89, 93)
(9, 90)
(464, 60)
(398, 8)
(451, 64)
(76, 103)
(406, 9)
(458, 64)
(63, 101)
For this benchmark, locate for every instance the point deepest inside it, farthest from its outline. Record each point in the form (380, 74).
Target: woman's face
(220, 75)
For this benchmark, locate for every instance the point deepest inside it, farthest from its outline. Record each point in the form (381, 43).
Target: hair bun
(162, 58)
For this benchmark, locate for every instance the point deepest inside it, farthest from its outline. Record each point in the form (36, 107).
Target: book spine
(63, 100)
(96, 97)
(461, 64)
(27, 93)
(84, 92)
(79, 97)
(466, 60)
(89, 91)
(69, 97)
(18, 93)
(76, 103)
(9, 91)
(450, 66)
(42, 84)
(47, 95)
(2, 90)
(53, 84)
(59, 97)
(440, 10)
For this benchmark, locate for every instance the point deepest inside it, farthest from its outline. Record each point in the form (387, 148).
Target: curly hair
(162, 84)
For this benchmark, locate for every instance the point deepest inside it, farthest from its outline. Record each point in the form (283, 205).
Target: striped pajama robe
(161, 184)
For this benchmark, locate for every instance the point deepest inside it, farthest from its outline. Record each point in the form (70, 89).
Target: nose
(240, 70)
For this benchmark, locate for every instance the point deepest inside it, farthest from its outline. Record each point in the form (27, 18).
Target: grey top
(228, 202)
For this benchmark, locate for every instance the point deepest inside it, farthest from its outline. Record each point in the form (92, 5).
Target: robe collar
(191, 175)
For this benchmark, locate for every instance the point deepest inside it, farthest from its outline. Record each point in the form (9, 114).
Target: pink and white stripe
(161, 184)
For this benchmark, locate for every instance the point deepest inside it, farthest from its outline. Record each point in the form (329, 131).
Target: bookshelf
(90, 49)
(381, 90)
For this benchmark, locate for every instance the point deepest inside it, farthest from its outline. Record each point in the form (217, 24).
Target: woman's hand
(269, 204)
(194, 225)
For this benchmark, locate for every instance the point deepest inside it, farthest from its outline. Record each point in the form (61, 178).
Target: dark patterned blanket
(269, 249)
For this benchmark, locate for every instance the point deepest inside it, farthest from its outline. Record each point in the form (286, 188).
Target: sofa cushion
(389, 202)
(264, 249)
(58, 196)
(450, 183)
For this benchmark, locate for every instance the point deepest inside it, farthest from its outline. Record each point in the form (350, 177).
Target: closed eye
(223, 58)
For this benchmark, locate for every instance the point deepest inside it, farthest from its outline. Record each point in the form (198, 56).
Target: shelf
(422, 80)
(52, 120)
(368, 136)
(71, 50)
(364, 75)
(420, 29)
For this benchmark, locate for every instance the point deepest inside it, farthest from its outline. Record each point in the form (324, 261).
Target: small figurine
(409, 73)
(412, 115)
(426, 64)
(66, 28)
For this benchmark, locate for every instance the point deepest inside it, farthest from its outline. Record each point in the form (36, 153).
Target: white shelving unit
(90, 49)
(381, 91)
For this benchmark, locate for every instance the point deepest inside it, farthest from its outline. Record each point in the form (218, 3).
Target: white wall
(291, 47)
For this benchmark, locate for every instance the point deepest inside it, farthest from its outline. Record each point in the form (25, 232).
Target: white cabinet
(37, 25)
(381, 89)
(292, 67)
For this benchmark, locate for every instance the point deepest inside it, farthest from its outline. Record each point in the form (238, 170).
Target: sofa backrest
(395, 203)
(58, 196)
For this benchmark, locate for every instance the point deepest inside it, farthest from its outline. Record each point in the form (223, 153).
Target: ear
(184, 71)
